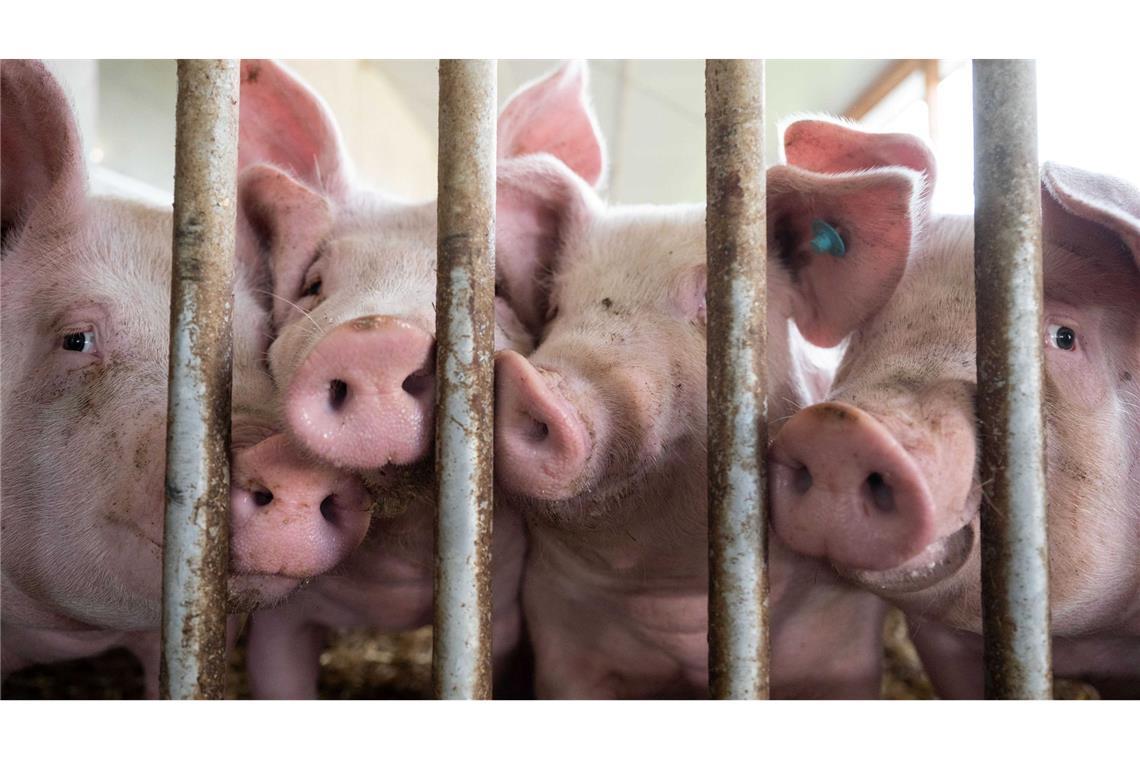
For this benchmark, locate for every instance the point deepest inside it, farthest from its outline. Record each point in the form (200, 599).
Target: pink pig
(601, 433)
(353, 280)
(881, 480)
(86, 315)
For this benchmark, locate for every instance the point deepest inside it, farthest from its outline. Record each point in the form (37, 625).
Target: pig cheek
(1082, 531)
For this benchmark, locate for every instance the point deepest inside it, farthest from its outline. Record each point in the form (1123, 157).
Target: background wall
(651, 113)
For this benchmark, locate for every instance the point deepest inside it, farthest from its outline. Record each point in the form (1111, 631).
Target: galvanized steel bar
(1007, 266)
(196, 539)
(736, 241)
(465, 325)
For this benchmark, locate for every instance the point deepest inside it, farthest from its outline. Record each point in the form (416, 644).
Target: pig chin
(247, 592)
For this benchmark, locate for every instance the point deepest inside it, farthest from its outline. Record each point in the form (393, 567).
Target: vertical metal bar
(196, 538)
(465, 324)
(736, 241)
(1007, 267)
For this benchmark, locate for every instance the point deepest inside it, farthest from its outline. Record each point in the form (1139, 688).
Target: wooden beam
(895, 74)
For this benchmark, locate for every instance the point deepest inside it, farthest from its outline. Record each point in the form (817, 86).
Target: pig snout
(291, 517)
(844, 488)
(542, 446)
(365, 395)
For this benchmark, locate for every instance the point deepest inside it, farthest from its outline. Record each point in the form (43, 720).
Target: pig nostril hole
(882, 494)
(328, 508)
(802, 480)
(338, 394)
(537, 431)
(418, 382)
(262, 498)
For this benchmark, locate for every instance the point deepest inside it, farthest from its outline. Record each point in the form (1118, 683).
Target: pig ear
(831, 147)
(541, 206)
(41, 159)
(844, 241)
(553, 115)
(284, 123)
(1076, 203)
(286, 224)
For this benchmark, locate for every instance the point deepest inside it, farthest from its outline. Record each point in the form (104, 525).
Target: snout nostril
(338, 394)
(882, 495)
(418, 382)
(802, 480)
(536, 430)
(328, 508)
(262, 498)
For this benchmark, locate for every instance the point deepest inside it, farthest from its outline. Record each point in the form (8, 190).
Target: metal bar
(1007, 268)
(465, 325)
(736, 241)
(196, 538)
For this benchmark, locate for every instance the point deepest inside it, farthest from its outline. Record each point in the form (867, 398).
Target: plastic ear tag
(825, 239)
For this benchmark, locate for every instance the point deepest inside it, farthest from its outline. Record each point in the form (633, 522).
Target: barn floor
(361, 666)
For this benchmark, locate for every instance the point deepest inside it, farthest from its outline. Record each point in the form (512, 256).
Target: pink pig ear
(831, 147)
(553, 115)
(42, 175)
(285, 123)
(1083, 210)
(844, 241)
(541, 207)
(283, 225)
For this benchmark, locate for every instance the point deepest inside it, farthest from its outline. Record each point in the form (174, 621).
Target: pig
(600, 434)
(353, 280)
(85, 315)
(881, 479)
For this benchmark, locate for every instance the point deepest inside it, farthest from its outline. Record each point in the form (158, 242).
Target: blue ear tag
(825, 239)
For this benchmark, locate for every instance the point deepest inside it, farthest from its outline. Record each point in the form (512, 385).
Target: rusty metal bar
(465, 325)
(196, 538)
(736, 241)
(1007, 267)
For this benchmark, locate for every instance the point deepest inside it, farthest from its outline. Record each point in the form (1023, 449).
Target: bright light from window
(1083, 119)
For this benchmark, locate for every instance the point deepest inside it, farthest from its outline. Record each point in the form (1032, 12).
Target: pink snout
(289, 516)
(365, 395)
(844, 488)
(542, 446)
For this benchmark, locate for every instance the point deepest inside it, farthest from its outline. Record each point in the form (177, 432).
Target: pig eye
(312, 289)
(82, 342)
(1062, 337)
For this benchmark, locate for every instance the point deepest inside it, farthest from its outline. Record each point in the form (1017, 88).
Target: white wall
(651, 113)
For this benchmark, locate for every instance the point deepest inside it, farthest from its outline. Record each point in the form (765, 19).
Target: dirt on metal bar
(1008, 283)
(461, 664)
(736, 242)
(196, 533)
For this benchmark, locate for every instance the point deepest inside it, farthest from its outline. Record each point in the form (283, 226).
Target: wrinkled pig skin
(600, 433)
(353, 280)
(903, 397)
(86, 317)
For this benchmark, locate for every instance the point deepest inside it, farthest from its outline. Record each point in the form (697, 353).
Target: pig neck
(654, 535)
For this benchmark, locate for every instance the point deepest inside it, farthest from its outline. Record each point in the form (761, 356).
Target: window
(1085, 118)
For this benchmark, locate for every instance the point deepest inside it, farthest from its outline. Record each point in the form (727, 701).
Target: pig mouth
(937, 562)
(247, 592)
